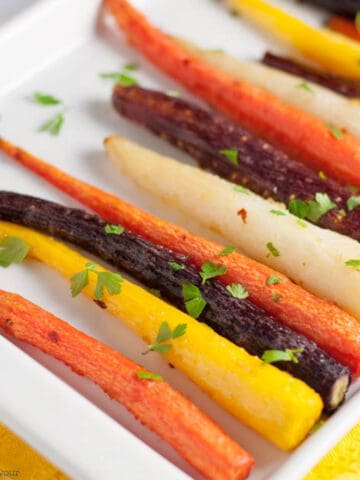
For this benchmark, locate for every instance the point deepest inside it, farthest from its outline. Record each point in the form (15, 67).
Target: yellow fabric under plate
(342, 463)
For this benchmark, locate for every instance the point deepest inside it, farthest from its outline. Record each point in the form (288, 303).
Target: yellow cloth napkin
(342, 463)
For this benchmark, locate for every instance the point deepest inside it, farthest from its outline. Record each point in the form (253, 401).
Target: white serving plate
(61, 46)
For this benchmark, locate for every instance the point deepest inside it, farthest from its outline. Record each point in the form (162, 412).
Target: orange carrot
(154, 403)
(298, 133)
(344, 26)
(323, 322)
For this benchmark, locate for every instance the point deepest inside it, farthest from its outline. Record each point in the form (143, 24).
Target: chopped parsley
(231, 154)
(279, 213)
(54, 124)
(12, 250)
(353, 263)
(335, 132)
(194, 301)
(301, 223)
(240, 189)
(105, 281)
(237, 291)
(305, 86)
(120, 78)
(211, 270)
(45, 99)
(352, 203)
(322, 175)
(320, 206)
(173, 93)
(276, 298)
(176, 266)
(342, 213)
(144, 375)
(273, 280)
(227, 250)
(164, 334)
(272, 249)
(299, 208)
(114, 229)
(289, 355)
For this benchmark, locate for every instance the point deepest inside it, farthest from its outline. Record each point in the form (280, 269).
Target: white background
(8, 8)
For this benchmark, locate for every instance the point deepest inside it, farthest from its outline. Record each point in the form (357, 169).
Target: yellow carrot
(334, 52)
(276, 405)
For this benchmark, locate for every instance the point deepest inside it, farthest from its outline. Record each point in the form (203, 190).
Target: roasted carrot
(344, 26)
(154, 403)
(332, 329)
(301, 135)
(236, 319)
(343, 86)
(242, 384)
(332, 51)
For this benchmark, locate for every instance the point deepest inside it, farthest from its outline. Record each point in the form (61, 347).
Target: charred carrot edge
(240, 383)
(332, 329)
(343, 86)
(344, 26)
(303, 136)
(158, 406)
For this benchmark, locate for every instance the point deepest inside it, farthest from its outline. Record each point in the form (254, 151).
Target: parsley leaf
(322, 175)
(353, 263)
(211, 270)
(342, 213)
(276, 298)
(114, 229)
(237, 291)
(322, 205)
(299, 208)
(144, 375)
(130, 66)
(273, 250)
(12, 250)
(273, 280)
(289, 355)
(164, 334)
(305, 86)
(240, 189)
(231, 154)
(227, 250)
(173, 93)
(105, 281)
(45, 99)
(176, 266)
(194, 301)
(79, 282)
(279, 213)
(335, 132)
(54, 124)
(120, 78)
(352, 203)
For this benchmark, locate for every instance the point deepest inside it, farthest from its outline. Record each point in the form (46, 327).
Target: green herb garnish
(352, 203)
(231, 154)
(299, 208)
(237, 291)
(227, 250)
(301, 223)
(240, 189)
(279, 213)
(273, 280)
(322, 175)
(130, 67)
(54, 124)
(45, 99)
(320, 206)
(276, 298)
(12, 250)
(357, 21)
(176, 266)
(353, 263)
(305, 86)
(144, 375)
(194, 301)
(120, 78)
(273, 250)
(164, 334)
(173, 93)
(105, 281)
(342, 213)
(335, 132)
(289, 355)
(114, 229)
(211, 270)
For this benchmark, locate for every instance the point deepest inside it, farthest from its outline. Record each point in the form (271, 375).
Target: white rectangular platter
(61, 47)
